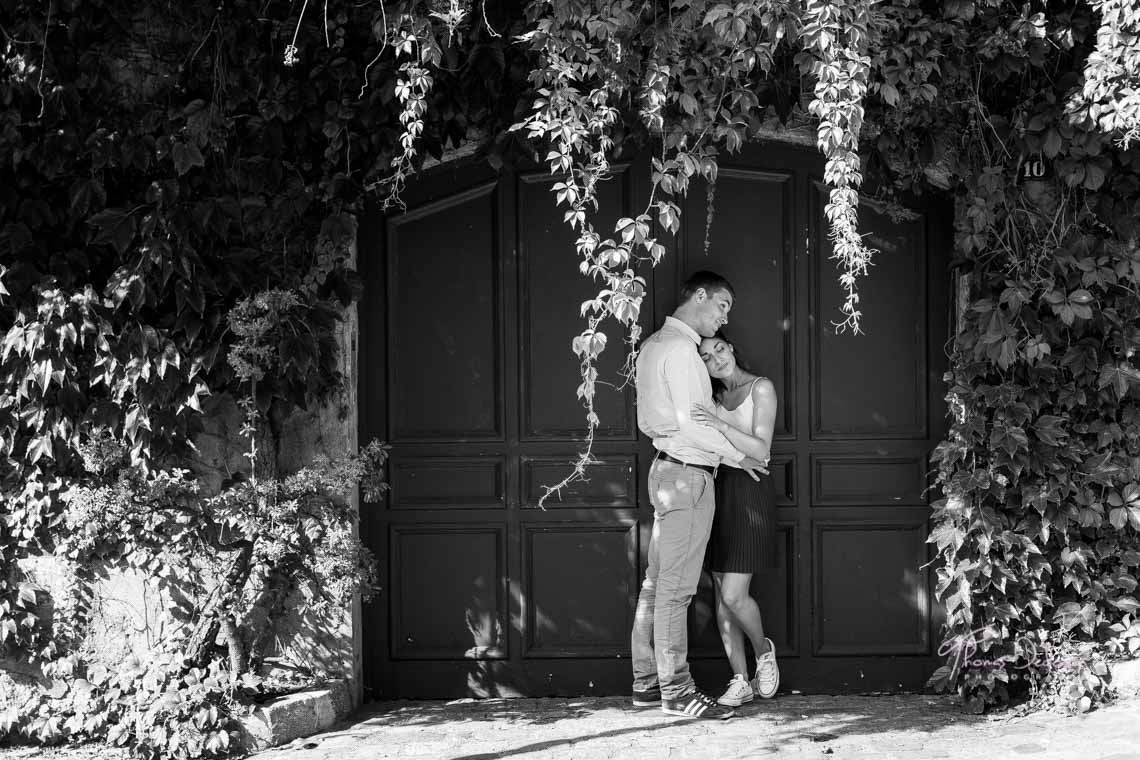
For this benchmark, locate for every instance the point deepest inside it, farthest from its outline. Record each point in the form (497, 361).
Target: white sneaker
(739, 691)
(767, 679)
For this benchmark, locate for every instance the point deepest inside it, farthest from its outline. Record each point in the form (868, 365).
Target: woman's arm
(756, 443)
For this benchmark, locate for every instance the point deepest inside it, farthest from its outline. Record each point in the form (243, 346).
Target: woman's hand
(705, 416)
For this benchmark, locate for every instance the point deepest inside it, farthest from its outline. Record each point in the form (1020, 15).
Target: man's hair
(710, 281)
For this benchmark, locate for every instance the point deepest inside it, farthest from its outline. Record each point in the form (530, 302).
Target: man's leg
(683, 507)
(641, 639)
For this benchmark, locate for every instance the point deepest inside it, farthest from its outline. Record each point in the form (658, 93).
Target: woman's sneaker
(767, 678)
(739, 691)
(696, 705)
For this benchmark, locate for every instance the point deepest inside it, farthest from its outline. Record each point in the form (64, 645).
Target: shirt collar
(684, 328)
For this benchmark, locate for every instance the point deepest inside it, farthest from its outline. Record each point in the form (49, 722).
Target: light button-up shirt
(671, 378)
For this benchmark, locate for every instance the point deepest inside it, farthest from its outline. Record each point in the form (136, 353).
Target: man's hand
(754, 467)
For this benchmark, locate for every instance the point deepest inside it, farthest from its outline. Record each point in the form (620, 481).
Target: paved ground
(914, 727)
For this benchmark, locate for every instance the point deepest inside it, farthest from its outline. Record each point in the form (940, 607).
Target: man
(671, 378)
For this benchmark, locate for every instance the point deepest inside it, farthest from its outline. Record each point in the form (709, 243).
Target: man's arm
(681, 379)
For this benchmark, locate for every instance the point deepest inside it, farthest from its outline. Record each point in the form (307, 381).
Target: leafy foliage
(158, 709)
(1038, 536)
(159, 166)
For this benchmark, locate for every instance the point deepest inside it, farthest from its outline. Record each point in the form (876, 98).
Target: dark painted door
(472, 297)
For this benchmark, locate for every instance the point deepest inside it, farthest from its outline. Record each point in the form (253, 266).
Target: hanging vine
(836, 38)
(640, 59)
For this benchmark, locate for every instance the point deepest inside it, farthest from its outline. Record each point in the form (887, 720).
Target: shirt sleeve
(681, 378)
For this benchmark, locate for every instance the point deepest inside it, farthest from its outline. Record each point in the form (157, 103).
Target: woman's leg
(738, 615)
(730, 634)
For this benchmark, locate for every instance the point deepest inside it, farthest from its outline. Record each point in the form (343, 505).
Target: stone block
(295, 716)
(1125, 676)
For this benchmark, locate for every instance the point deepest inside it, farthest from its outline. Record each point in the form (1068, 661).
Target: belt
(706, 467)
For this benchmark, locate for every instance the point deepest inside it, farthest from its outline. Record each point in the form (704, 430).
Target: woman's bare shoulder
(762, 387)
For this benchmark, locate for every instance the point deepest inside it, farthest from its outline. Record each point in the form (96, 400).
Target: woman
(743, 537)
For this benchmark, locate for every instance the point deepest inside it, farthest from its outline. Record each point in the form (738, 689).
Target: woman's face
(718, 357)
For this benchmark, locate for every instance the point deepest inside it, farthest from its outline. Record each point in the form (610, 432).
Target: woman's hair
(718, 387)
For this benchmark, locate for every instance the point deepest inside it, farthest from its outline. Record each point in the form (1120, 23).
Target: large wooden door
(471, 301)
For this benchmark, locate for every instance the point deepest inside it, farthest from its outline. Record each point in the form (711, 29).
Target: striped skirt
(743, 536)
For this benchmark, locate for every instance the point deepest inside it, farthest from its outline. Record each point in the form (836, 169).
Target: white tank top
(740, 417)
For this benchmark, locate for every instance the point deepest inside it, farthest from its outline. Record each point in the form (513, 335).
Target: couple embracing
(711, 423)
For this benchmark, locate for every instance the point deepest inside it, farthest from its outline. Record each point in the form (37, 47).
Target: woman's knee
(735, 597)
(736, 601)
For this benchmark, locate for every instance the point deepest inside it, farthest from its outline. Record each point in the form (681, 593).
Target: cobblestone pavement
(914, 727)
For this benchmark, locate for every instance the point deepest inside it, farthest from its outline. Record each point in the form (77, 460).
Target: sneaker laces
(766, 668)
(737, 681)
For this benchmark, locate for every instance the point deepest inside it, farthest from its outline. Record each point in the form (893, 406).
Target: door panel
(854, 479)
(447, 483)
(444, 362)
(579, 579)
(448, 601)
(612, 483)
(552, 291)
(870, 594)
(872, 385)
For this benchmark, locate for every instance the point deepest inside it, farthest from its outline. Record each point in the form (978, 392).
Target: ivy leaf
(1052, 144)
(84, 195)
(1048, 429)
(39, 447)
(135, 420)
(1007, 354)
(1126, 603)
(688, 103)
(939, 680)
(114, 226)
(1118, 517)
(27, 593)
(1119, 376)
(1080, 296)
(1066, 313)
(43, 374)
(186, 156)
(889, 94)
(1094, 176)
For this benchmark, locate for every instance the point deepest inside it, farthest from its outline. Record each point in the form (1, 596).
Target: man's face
(712, 310)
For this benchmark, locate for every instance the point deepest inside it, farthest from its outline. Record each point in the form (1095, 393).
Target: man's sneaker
(650, 697)
(696, 705)
(739, 691)
(767, 678)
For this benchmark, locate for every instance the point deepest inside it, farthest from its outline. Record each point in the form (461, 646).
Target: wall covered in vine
(178, 185)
